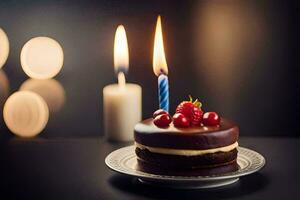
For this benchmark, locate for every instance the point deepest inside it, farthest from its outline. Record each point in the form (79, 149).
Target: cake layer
(222, 169)
(185, 152)
(186, 162)
(194, 138)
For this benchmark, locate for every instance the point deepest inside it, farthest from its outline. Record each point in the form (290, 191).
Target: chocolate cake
(197, 149)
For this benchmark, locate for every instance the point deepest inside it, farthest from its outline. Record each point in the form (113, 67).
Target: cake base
(209, 171)
(186, 162)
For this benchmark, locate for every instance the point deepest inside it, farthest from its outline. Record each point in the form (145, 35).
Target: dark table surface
(64, 168)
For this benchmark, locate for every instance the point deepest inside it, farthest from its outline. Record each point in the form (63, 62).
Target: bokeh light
(42, 58)
(4, 87)
(4, 47)
(25, 113)
(50, 90)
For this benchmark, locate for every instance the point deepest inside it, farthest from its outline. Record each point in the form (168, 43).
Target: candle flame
(159, 58)
(121, 58)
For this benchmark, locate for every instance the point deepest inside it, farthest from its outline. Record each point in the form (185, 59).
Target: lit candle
(122, 102)
(160, 67)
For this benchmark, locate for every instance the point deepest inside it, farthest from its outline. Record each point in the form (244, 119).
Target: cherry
(211, 119)
(180, 120)
(162, 120)
(159, 112)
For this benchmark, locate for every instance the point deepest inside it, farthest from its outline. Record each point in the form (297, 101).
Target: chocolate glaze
(196, 138)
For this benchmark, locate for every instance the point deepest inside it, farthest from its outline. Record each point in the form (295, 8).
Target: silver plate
(124, 161)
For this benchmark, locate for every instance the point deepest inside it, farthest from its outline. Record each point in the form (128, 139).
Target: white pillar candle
(122, 110)
(122, 102)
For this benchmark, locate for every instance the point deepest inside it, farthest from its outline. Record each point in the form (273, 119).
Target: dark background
(238, 57)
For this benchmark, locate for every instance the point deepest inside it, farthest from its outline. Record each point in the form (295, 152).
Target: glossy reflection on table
(50, 89)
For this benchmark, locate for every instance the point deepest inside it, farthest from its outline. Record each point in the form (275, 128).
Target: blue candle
(160, 67)
(163, 92)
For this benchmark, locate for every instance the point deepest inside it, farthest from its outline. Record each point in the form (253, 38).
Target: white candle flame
(121, 57)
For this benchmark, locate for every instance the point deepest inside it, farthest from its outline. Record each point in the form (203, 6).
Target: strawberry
(191, 110)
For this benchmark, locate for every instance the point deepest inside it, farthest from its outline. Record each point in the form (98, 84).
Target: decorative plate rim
(257, 163)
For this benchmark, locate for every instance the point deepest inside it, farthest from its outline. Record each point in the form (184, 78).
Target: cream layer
(187, 152)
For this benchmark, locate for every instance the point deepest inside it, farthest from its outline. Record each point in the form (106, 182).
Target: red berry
(191, 110)
(197, 117)
(186, 108)
(159, 112)
(211, 119)
(162, 120)
(180, 120)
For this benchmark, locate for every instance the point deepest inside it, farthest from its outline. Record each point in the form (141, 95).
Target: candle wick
(121, 80)
(162, 72)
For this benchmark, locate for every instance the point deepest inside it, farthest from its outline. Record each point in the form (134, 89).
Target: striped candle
(160, 67)
(163, 92)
